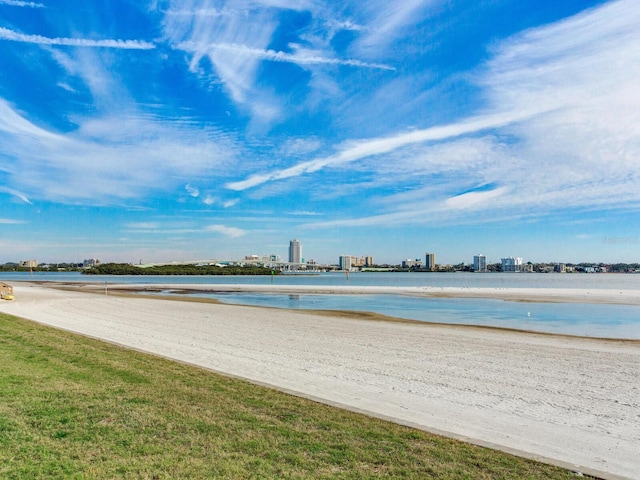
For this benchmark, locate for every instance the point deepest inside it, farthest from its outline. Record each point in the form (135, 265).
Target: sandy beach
(543, 295)
(574, 401)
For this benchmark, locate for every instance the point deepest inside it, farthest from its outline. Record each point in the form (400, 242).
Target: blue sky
(184, 130)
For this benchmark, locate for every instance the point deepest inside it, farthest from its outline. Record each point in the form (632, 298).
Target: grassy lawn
(73, 407)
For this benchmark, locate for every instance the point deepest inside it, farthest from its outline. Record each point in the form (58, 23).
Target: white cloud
(386, 19)
(6, 34)
(562, 132)
(108, 158)
(19, 3)
(198, 12)
(9, 221)
(193, 191)
(299, 146)
(358, 150)
(474, 200)
(228, 44)
(96, 71)
(194, 34)
(300, 57)
(66, 86)
(15, 193)
(232, 232)
(142, 225)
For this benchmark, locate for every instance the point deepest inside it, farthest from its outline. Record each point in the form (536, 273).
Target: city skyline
(179, 130)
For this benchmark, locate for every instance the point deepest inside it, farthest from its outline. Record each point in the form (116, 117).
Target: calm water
(612, 321)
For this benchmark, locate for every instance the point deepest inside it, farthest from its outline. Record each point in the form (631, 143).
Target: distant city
(296, 263)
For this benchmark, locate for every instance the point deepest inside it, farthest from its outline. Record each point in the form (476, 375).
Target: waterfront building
(295, 251)
(510, 264)
(430, 261)
(91, 262)
(560, 268)
(408, 263)
(345, 263)
(480, 263)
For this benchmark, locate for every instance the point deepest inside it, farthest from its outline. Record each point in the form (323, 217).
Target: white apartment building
(345, 263)
(511, 264)
(480, 263)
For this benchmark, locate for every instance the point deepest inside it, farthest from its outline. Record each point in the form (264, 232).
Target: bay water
(591, 320)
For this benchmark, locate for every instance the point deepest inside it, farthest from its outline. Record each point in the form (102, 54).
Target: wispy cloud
(142, 225)
(306, 58)
(198, 12)
(232, 232)
(130, 154)
(193, 191)
(194, 34)
(354, 151)
(15, 193)
(386, 19)
(474, 199)
(9, 221)
(229, 46)
(562, 133)
(19, 3)
(11, 35)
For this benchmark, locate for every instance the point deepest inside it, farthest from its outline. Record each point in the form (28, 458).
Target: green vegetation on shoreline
(183, 269)
(74, 407)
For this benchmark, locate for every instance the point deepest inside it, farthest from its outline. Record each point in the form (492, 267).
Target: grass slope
(73, 407)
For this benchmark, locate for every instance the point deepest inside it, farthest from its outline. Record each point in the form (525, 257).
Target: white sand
(573, 400)
(566, 295)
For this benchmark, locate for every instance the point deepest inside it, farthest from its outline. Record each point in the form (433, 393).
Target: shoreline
(534, 295)
(563, 399)
(178, 295)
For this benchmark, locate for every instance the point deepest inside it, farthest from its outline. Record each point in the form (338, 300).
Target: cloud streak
(368, 148)
(131, 155)
(15, 193)
(11, 35)
(563, 134)
(279, 56)
(9, 221)
(19, 3)
(232, 232)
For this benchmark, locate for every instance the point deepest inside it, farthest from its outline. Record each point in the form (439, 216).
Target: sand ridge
(539, 295)
(571, 399)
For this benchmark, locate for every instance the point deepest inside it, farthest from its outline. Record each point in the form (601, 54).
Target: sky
(155, 131)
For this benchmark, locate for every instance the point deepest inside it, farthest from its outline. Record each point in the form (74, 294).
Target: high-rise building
(295, 251)
(430, 261)
(480, 263)
(510, 264)
(345, 262)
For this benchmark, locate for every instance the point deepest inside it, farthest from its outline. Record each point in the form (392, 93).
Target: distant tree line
(128, 269)
(50, 267)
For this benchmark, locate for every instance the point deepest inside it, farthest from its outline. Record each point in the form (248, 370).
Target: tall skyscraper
(480, 263)
(430, 261)
(295, 251)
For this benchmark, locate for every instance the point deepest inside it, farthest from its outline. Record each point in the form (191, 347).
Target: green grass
(73, 407)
